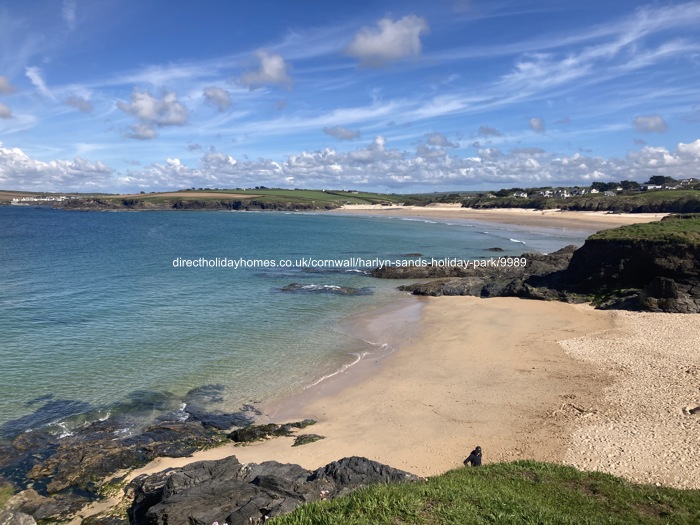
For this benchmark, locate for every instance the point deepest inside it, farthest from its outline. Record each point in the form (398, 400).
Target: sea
(104, 314)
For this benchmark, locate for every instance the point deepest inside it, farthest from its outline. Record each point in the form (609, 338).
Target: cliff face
(602, 264)
(662, 276)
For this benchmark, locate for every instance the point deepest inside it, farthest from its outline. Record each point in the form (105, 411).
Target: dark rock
(357, 471)
(305, 439)
(495, 249)
(229, 492)
(413, 254)
(303, 424)
(500, 278)
(665, 295)
(260, 432)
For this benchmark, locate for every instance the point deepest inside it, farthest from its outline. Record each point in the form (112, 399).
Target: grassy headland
(679, 229)
(503, 493)
(667, 201)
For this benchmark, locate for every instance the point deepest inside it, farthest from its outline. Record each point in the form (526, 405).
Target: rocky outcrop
(637, 274)
(230, 492)
(496, 280)
(632, 274)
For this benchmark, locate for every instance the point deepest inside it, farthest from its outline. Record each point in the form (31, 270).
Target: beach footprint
(691, 411)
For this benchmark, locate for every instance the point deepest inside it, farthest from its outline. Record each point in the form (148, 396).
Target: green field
(506, 493)
(311, 198)
(683, 229)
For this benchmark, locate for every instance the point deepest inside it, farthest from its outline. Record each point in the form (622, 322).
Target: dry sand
(647, 427)
(576, 220)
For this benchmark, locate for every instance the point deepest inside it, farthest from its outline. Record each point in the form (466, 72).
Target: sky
(390, 96)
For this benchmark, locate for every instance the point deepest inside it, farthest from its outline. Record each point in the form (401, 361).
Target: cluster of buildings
(31, 200)
(563, 193)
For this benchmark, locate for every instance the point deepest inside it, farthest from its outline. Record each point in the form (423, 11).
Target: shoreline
(524, 379)
(450, 387)
(591, 221)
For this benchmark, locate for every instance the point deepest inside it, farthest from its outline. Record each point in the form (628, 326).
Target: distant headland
(658, 195)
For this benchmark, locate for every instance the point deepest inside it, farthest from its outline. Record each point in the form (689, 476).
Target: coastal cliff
(652, 267)
(187, 204)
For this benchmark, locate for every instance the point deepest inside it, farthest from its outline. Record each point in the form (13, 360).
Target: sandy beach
(577, 220)
(600, 390)
(474, 371)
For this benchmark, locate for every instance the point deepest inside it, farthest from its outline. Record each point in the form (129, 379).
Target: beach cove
(524, 379)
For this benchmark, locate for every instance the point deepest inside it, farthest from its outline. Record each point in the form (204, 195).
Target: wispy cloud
(34, 75)
(68, 12)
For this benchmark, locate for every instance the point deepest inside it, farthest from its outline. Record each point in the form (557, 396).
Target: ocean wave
(326, 288)
(359, 356)
(518, 241)
(426, 221)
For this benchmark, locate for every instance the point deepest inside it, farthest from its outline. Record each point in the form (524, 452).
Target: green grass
(684, 229)
(506, 493)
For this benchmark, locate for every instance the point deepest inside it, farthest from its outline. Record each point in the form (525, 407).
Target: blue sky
(123, 96)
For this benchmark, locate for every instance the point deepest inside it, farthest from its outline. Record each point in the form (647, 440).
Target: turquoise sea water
(93, 312)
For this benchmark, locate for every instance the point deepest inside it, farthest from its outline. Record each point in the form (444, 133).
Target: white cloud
(342, 133)
(690, 150)
(537, 125)
(5, 111)
(153, 112)
(389, 41)
(21, 172)
(68, 13)
(272, 70)
(6, 87)
(218, 97)
(79, 103)
(34, 75)
(650, 124)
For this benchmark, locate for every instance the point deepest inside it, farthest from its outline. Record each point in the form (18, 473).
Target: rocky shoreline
(637, 275)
